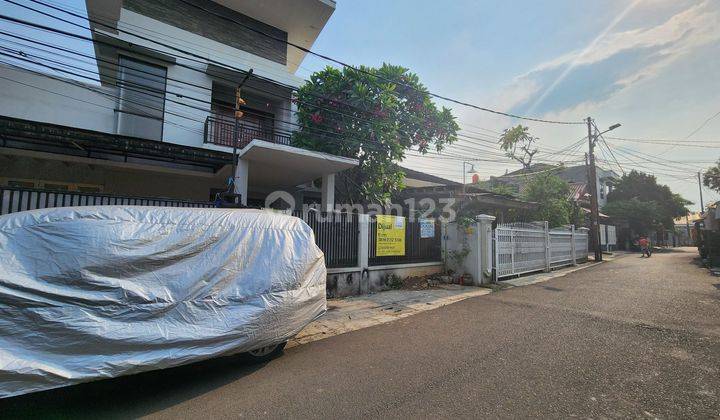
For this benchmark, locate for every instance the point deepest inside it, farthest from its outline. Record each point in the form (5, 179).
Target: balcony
(220, 130)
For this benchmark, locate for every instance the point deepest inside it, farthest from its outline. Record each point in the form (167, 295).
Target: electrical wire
(306, 50)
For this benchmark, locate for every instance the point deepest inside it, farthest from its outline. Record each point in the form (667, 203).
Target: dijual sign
(390, 236)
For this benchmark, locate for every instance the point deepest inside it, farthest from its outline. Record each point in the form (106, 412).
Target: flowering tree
(374, 115)
(519, 145)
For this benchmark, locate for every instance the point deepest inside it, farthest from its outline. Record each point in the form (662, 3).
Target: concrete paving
(358, 312)
(629, 338)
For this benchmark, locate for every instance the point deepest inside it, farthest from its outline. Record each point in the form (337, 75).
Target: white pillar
(328, 192)
(241, 180)
(572, 245)
(364, 251)
(546, 229)
(484, 228)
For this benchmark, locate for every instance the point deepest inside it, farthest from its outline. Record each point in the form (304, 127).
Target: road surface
(634, 337)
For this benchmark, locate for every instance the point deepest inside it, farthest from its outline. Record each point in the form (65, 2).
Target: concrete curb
(357, 312)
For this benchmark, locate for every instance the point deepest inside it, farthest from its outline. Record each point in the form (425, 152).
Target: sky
(651, 65)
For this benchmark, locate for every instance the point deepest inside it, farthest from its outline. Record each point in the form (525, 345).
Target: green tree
(504, 189)
(374, 115)
(711, 177)
(552, 195)
(519, 145)
(643, 203)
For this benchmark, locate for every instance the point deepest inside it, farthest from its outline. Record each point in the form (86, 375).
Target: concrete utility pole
(592, 183)
(702, 205)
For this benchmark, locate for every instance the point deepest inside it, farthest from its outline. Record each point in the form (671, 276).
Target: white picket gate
(524, 248)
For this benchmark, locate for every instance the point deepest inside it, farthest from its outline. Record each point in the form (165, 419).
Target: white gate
(527, 247)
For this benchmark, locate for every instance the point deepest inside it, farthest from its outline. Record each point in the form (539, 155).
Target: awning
(277, 166)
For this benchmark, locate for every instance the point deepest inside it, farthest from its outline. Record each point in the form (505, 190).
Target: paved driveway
(629, 338)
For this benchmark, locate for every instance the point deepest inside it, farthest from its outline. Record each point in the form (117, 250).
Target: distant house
(421, 185)
(577, 178)
(684, 233)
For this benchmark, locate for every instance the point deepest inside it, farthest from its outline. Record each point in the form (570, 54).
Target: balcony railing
(221, 131)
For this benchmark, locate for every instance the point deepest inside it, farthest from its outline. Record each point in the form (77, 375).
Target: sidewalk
(542, 277)
(357, 312)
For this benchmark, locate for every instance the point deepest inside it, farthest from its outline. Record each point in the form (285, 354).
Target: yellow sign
(390, 236)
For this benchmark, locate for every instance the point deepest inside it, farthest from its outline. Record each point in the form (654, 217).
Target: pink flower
(316, 118)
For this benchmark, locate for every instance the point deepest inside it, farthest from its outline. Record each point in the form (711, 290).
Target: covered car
(96, 292)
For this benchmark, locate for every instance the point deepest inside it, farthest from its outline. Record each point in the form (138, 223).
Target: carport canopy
(271, 166)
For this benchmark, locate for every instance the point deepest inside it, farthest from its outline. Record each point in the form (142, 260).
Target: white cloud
(680, 34)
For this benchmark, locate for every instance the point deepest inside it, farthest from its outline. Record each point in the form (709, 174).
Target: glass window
(142, 98)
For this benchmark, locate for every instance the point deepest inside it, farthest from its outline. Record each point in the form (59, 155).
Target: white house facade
(160, 121)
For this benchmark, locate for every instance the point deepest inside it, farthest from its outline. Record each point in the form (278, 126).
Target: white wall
(36, 97)
(184, 125)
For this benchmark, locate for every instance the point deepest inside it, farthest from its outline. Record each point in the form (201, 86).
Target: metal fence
(221, 131)
(417, 249)
(336, 234)
(15, 199)
(528, 248)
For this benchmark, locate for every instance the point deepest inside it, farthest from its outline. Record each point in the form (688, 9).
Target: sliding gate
(527, 247)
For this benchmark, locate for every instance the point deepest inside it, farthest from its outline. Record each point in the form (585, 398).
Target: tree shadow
(130, 396)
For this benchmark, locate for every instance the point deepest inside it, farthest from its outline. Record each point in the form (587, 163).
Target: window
(142, 98)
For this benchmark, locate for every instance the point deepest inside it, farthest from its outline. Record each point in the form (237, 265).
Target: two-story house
(157, 119)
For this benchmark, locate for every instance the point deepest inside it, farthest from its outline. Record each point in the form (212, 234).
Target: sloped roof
(574, 174)
(422, 176)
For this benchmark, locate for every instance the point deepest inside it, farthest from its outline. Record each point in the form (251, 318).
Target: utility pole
(472, 167)
(702, 205)
(592, 183)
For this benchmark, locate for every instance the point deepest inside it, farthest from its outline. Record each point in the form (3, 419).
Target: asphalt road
(628, 338)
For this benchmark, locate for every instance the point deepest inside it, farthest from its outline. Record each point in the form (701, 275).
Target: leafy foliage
(504, 189)
(552, 195)
(519, 145)
(711, 177)
(362, 115)
(643, 203)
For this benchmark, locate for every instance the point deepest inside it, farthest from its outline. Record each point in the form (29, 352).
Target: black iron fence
(14, 199)
(336, 234)
(417, 249)
(221, 131)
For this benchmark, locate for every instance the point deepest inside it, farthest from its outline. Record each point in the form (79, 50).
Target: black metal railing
(417, 249)
(221, 131)
(15, 199)
(336, 234)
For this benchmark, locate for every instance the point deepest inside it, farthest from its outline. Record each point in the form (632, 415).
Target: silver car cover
(96, 292)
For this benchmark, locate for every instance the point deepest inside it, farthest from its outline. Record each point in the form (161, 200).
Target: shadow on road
(130, 396)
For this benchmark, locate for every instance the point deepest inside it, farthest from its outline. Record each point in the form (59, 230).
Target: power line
(684, 143)
(201, 61)
(92, 40)
(462, 137)
(306, 50)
